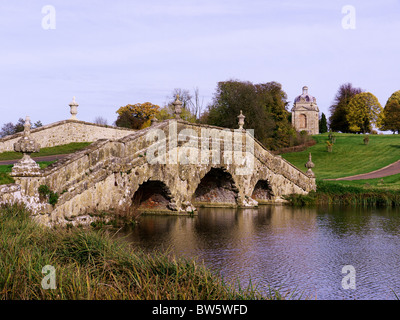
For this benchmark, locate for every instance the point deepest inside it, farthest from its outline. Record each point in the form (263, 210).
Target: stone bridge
(173, 166)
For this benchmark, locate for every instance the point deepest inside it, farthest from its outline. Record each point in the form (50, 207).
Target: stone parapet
(66, 131)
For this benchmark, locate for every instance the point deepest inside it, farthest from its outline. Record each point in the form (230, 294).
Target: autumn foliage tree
(364, 111)
(136, 116)
(391, 113)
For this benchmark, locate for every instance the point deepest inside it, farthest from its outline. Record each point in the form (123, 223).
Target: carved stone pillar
(178, 107)
(241, 120)
(309, 165)
(26, 167)
(74, 109)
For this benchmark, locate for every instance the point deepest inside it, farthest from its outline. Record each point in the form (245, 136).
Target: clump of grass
(5, 170)
(299, 200)
(93, 265)
(329, 192)
(5, 178)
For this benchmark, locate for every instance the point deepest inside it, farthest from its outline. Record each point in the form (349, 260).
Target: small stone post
(309, 165)
(74, 109)
(26, 167)
(241, 120)
(178, 107)
(154, 121)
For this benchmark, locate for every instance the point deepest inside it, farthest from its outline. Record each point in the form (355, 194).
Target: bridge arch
(262, 191)
(152, 195)
(216, 186)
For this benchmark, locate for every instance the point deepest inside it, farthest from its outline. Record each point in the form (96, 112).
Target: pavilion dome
(305, 97)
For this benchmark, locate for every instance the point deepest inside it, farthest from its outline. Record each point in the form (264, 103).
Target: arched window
(302, 121)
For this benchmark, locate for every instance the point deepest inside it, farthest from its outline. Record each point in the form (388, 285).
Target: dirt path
(383, 172)
(44, 158)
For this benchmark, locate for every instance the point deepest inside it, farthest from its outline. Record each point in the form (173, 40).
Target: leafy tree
(364, 111)
(168, 112)
(189, 111)
(19, 126)
(264, 106)
(7, 129)
(338, 118)
(391, 113)
(38, 124)
(136, 116)
(323, 126)
(192, 103)
(100, 120)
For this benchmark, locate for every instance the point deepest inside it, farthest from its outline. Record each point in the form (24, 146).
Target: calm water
(294, 249)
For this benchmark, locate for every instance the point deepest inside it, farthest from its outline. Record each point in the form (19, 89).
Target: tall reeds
(331, 193)
(93, 265)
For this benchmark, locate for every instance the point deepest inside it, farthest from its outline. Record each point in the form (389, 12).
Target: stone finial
(27, 127)
(154, 121)
(74, 109)
(241, 120)
(177, 107)
(309, 165)
(26, 167)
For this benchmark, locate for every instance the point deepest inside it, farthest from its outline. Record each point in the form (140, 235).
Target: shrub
(46, 193)
(53, 198)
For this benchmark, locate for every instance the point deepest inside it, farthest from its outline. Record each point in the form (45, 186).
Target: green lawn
(63, 149)
(5, 170)
(349, 156)
(5, 178)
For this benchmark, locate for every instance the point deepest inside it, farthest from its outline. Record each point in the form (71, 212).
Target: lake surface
(300, 251)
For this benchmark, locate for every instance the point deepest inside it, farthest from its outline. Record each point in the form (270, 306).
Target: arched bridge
(172, 166)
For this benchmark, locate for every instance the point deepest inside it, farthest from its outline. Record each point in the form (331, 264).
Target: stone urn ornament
(241, 120)
(309, 165)
(177, 107)
(74, 109)
(26, 167)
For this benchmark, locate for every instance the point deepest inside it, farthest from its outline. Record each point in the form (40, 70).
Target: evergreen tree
(323, 126)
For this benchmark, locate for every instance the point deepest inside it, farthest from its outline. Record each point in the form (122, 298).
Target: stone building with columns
(305, 113)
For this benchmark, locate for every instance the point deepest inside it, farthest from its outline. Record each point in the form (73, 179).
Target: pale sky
(112, 53)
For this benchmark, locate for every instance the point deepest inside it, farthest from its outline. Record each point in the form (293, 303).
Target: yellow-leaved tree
(136, 116)
(364, 111)
(391, 113)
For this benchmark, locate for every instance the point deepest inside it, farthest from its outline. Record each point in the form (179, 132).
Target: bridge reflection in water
(296, 250)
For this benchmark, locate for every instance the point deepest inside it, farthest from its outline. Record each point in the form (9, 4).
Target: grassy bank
(92, 265)
(349, 156)
(335, 192)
